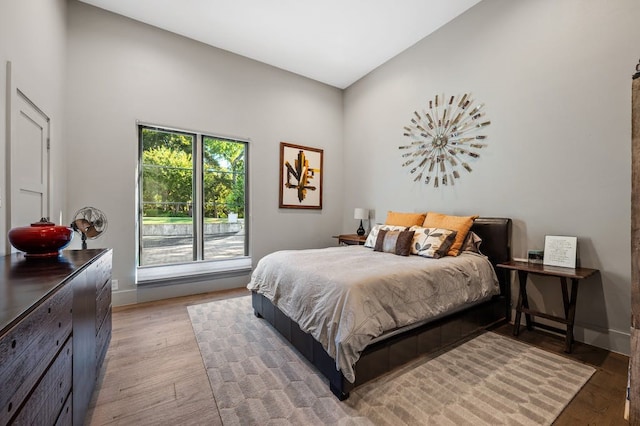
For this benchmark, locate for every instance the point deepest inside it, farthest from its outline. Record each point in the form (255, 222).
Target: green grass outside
(177, 220)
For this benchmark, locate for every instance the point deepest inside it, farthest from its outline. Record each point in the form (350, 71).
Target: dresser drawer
(103, 269)
(102, 340)
(65, 418)
(27, 349)
(103, 304)
(48, 398)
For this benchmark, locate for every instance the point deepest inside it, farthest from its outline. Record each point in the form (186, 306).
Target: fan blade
(82, 225)
(92, 232)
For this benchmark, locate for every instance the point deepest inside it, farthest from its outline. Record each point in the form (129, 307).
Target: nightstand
(569, 303)
(350, 239)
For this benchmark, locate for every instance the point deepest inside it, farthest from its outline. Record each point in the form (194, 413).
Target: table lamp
(361, 214)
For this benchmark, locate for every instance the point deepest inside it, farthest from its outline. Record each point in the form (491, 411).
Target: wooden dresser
(55, 328)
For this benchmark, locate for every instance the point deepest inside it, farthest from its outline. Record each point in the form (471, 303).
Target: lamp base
(360, 230)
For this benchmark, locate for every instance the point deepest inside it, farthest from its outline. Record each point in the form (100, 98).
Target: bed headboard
(496, 245)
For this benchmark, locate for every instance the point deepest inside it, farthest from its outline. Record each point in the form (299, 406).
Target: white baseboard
(609, 339)
(612, 340)
(177, 288)
(124, 297)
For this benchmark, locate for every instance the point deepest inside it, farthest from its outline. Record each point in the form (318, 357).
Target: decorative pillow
(471, 243)
(396, 242)
(373, 235)
(432, 242)
(405, 219)
(461, 224)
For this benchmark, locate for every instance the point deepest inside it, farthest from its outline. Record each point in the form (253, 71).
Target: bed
(350, 337)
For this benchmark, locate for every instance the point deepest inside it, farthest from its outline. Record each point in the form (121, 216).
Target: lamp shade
(361, 214)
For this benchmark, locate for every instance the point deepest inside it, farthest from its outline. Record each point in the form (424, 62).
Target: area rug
(258, 378)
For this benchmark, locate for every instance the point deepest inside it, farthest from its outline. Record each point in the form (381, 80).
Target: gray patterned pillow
(472, 243)
(432, 242)
(373, 235)
(396, 242)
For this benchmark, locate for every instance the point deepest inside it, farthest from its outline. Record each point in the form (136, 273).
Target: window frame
(199, 267)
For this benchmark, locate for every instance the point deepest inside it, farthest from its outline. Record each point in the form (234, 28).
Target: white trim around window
(203, 269)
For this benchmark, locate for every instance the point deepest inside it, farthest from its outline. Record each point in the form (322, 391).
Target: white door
(28, 162)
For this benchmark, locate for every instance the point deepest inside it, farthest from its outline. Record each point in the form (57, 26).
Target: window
(192, 198)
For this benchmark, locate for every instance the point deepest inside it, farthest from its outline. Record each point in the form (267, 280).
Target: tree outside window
(193, 197)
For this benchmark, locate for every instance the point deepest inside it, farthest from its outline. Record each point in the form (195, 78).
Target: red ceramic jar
(41, 239)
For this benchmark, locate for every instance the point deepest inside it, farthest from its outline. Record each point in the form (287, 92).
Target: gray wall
(556, 81)
(120, 71)
(33, 39)
(555, 77)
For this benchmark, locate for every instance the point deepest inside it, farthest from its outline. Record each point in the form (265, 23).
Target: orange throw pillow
(462, 224)
(405, 219)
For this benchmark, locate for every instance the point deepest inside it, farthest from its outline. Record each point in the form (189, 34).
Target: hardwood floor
(153, 373)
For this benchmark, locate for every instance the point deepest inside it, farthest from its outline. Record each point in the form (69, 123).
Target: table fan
(90, 223)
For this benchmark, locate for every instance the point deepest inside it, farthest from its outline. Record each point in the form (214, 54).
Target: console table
(55, 327)
(569, 302)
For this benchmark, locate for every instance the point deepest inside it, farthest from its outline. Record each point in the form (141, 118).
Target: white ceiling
(332, 41)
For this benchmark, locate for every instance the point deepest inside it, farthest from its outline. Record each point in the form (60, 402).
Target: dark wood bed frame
(385, 355)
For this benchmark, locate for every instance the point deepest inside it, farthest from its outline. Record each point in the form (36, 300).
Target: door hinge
(48, 143)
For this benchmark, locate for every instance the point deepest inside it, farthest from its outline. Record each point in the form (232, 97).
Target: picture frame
(301, 173)
(560, 251)
(535, 256)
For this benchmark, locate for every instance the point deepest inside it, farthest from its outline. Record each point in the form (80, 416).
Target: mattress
(346, 297)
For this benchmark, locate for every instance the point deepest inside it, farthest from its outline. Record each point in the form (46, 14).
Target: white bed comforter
(346, 296)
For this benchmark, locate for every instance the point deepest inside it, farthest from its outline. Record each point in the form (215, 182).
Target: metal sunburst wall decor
(443, 139)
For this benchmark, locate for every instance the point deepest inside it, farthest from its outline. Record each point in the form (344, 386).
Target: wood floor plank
(155, 338)
(154, 375)
(194, 413)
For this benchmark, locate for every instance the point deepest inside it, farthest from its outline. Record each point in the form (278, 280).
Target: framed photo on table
(560, 251)
(300, 177)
